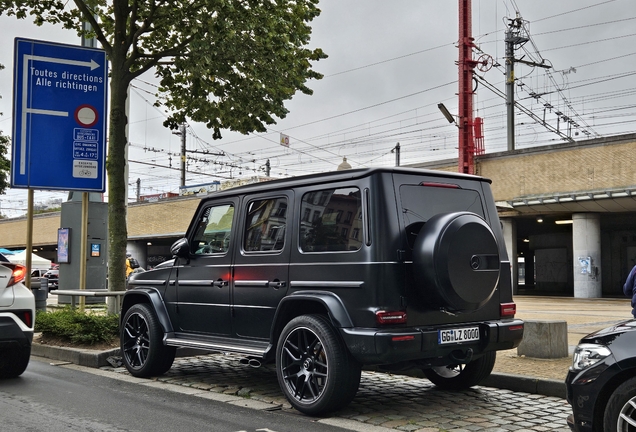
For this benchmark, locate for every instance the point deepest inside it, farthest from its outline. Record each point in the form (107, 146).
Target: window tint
(213, 233)
(420, 203)
(266, 223)
(333, 227)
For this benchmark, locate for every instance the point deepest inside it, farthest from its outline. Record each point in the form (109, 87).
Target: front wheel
(141, 339)
(620, 412)
(462, 376)
(315, 371)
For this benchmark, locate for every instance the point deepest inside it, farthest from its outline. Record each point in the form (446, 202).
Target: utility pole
(138, 189)
(268, 168)
(396, 150)
(183, 154)
(515, 36)
(466, 66)
(182, 133)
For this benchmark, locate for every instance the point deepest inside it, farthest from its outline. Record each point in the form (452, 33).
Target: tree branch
(88, 16)
(156, 58)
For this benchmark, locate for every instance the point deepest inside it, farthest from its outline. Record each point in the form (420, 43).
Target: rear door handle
(219, 283)
(276, 284)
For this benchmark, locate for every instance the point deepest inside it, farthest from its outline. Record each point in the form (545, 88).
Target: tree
(5, 164)
(229, 63)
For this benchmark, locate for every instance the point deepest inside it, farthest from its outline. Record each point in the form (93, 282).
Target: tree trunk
(116, 169)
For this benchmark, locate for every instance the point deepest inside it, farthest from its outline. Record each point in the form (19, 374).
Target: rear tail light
(507, 309)
(27, 318)
(18, 275)
(441, 185)
(393, 317)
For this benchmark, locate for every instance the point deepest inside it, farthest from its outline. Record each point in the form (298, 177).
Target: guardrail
(89, 293)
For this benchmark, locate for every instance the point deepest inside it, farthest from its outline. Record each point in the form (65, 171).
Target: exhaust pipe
(255, 363)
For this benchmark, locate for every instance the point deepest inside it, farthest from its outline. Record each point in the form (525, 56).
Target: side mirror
(180, 248)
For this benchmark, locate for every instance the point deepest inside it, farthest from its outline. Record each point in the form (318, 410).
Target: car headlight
(586, 355)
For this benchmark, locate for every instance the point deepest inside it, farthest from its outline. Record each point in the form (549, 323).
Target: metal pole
(466, 66)
(510, 89)
(183, 155)
(83, 248)
(397, 155)
(29, 239)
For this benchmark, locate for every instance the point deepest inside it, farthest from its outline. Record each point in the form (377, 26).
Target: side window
(213, 233)
(266, 225)
(329, 228)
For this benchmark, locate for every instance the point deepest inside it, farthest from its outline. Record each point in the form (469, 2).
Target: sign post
(59, 117)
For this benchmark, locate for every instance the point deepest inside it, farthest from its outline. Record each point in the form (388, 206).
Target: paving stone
(393, 401)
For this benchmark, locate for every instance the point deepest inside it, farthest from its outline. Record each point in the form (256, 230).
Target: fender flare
(338, 314)
(150, 296)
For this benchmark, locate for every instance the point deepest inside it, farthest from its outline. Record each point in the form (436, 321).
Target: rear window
(331, 220)
(420, 203)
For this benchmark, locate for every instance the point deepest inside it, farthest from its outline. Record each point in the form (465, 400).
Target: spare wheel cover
(456, 258)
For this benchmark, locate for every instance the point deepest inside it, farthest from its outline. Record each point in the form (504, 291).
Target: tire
(315, 370)
(14, 361)
(456, 262)
(141, 341)
(621, 407)
(462, 376)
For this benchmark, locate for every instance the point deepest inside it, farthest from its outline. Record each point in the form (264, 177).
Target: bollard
(544, 339)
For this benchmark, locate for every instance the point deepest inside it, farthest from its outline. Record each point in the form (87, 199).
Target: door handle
(276, 284)
(219, 283)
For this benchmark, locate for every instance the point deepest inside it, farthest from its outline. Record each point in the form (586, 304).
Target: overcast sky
(389, 65)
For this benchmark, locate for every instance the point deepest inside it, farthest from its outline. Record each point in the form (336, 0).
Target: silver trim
(203, 304)
(147, 282)
(251, 283)
(196, 282)
(329, 263)
(326, 284)
(214, 346)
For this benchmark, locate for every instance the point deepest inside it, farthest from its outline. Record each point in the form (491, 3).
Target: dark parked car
(601, 383)
(322, 274)
(17, 315)
(53, 276)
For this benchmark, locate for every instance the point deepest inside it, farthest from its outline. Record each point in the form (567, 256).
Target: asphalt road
(52, 398)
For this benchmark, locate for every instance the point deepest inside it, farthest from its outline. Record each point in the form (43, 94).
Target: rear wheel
(620, 412)
(14, 361)
(462, 376)
(315, 371)
(141, 339)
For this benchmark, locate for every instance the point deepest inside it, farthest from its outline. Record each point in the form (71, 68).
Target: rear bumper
(12, 333)
(374, 346)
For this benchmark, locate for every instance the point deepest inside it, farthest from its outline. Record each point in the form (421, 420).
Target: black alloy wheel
(620, 412)
(315, 371)
(143, 351)
(461, 376)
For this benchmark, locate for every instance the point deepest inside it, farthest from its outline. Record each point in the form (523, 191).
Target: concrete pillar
(510, 238)
(586, 243)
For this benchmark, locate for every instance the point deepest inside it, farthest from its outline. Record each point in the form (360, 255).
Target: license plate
(467, 334)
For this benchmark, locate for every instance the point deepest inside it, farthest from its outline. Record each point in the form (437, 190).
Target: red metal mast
(466, 65)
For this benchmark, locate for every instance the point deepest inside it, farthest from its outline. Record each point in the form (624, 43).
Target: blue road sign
(59, 117)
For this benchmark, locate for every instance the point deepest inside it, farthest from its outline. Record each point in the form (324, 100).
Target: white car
(17, 319)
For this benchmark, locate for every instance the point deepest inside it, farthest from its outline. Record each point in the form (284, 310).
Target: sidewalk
(583, 316)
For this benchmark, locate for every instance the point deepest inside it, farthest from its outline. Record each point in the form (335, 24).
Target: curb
(527, 384)
(97, 359)
(88, 358)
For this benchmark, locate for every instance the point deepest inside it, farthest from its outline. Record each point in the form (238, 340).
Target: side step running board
(239, 349)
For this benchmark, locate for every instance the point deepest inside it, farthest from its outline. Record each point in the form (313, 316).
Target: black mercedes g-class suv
(324, 274)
